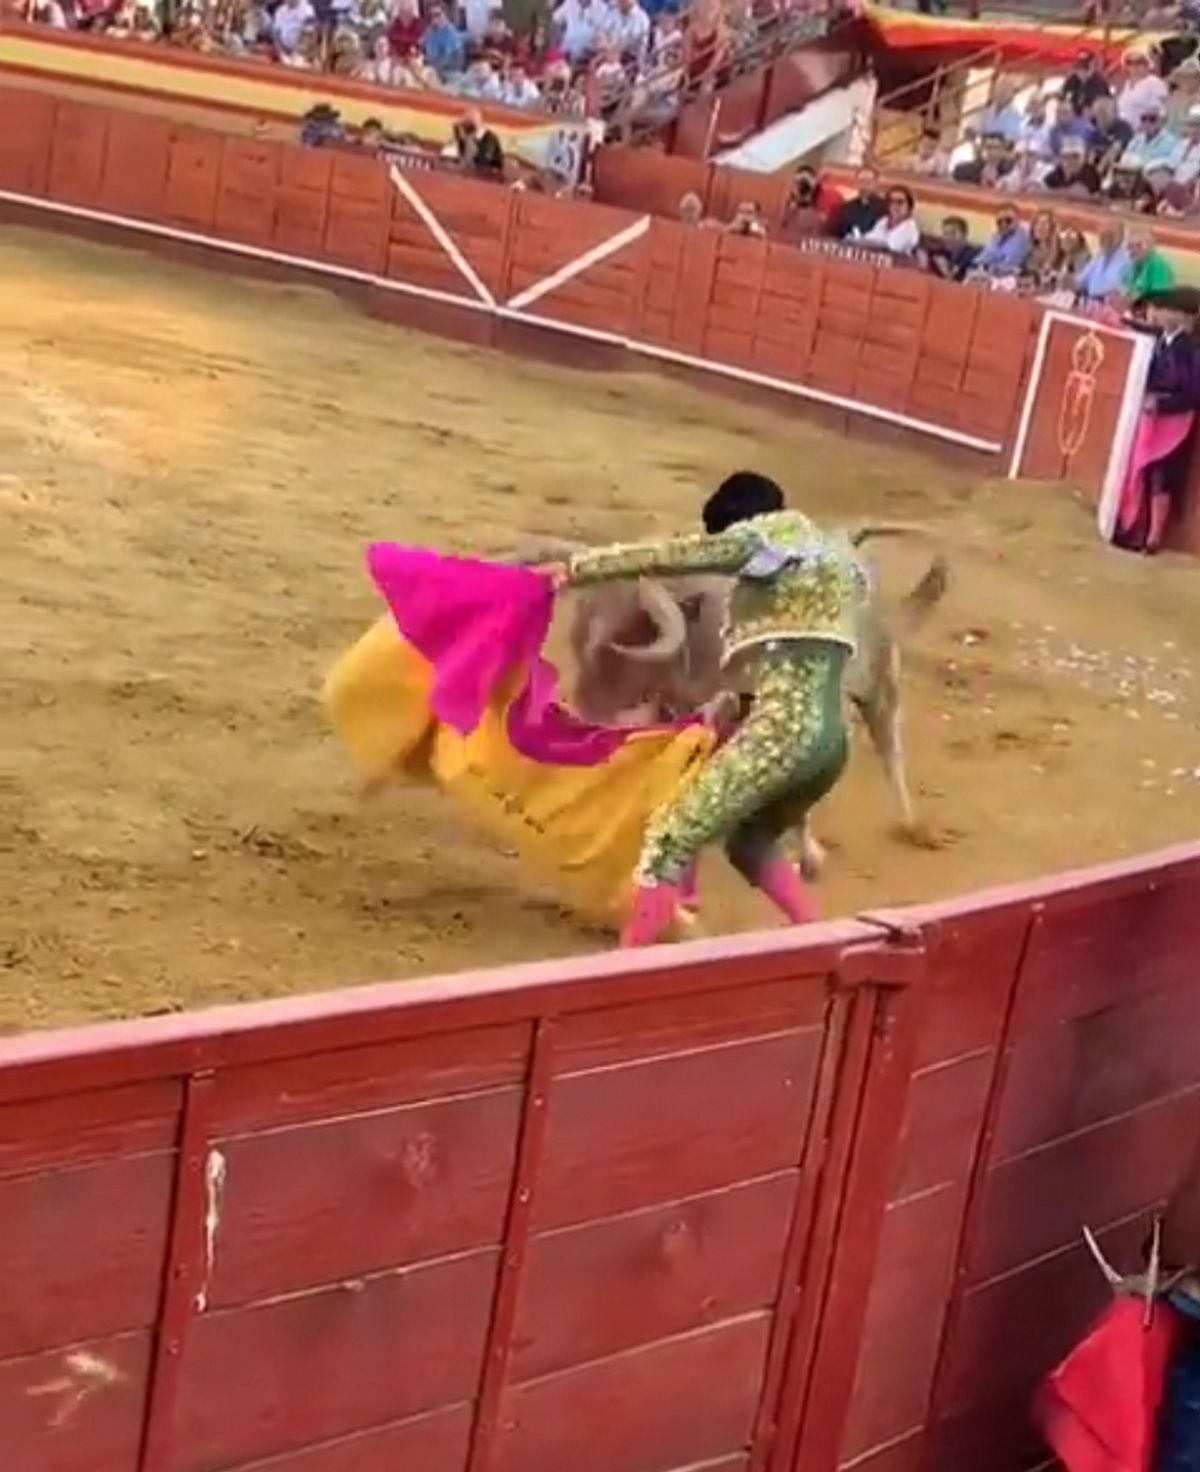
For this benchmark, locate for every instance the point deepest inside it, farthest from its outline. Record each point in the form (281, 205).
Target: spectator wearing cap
(1073, 174)
(1006, 252)
(1151, 143)
(1187, 165)
(1107, 273)
(1002, 119)
(855, 216)
(897, 231)
(1151, 270)
(1110, 133)
(1142, 91)
(994, 161)
(1084, 83)
(950, 255)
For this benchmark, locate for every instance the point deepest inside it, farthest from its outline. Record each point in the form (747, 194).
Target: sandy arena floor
(190, 469)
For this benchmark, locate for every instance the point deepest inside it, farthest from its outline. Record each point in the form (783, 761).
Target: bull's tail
(917, 605)
(866, 533)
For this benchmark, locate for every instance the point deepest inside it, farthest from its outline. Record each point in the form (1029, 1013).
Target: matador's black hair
(740, 496)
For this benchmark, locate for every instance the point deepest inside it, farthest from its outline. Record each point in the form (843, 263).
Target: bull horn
(860, 534)
(667, 617)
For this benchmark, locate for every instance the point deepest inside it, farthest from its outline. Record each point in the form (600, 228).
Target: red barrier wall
(786, 1203)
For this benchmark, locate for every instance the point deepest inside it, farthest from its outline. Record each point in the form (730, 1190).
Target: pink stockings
(654, 905)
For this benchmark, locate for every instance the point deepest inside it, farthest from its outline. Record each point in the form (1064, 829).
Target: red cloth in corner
(1098, 1410)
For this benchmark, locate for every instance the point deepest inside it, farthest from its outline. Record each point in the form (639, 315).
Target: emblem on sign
(1079, 392)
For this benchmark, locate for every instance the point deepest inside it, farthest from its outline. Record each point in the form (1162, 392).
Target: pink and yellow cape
(451, 688)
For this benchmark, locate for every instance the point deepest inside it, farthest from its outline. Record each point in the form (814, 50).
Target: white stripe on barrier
(579, 265)
(508, 313)
(443, 237)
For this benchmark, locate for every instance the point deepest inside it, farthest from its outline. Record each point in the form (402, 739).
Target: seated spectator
(1036, 128)
(576, 26)
(855, 216)
(288, 24)
(1125, 184)
(950, 255)
(1184, 94)
(1110, 133)
(1084, 84)
(1187, 164)
(560, 95)
(1151, 270)
(994, 161)
(1142, 90)
(481, 82)
(1159, 194)
(897, 231)
(345, 52)
(811, 206)
(370, 137)
(931, 161)
(1002, 118)
(371, 19)
(748, 220)
(407, 29)
(628, 26)
(47, 13)
(1107, 273)
(382, 68)
(1068, 123)
(691, 212)
(1006, 251)
(477, 147)
(1073, 255)
(608, 81)
(1025, 176)
(518, 89)
(320, 126)
(1041, 264)
(1151, 143)
(1073, 174)
(443, 44)
(307, 54)
(498, 43)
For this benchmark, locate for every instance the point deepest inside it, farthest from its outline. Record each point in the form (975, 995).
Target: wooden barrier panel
(25, 140)
(450, 1223)
(136, 164)
(645, 180)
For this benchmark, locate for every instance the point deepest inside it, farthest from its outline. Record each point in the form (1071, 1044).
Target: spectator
(1042, 260)
(810, 207)
(47, 13)
(608, 80)
(932, 160)
(307, 55)
(288, 24)
(1187, 166)
(481, 82)
(559, 94)
(1151, 270)
(1024, 176)
(1003, 119)
(1184, 84)
(1073, 255)
(371, 136)
(628, 26)
(1159, 194)
(1142, 91)
(498, 43)
(475, 15)
(857, 215)
(748, 220)
(371, 21)
(1006, 252)
(407, 29)
(1151, 143)
(1069, 123)
(576, 25)
(994, 161)
(1110, 133)
(1036, 128)
(691, 211)
(951, 254)
(443, 45)
(1084, 84)
(897, 231)
(345, 52)
(518, 88)
(1107, 273)
(1073, 174)
(477, 147)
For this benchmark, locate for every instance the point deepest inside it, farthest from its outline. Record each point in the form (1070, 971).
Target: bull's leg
(812, 851)
(880, 710)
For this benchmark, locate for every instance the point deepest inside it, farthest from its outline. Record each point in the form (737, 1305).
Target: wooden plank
(426, 1180)
(624, 1137)
(1071, 1075)
(972, 973)
(618, 1034)
(1039, 1201)
(67, 1129)
(86, 1246)
(680, 1402)
(436, 1442)
(276, 1377)
(78, 1409)
(942, 1124)
(594, 1290)
(323, 1085)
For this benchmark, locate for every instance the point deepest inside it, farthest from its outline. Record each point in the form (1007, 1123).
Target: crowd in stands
(601, 57)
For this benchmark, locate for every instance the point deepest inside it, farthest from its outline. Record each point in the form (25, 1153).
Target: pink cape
(476, 623)
(1158, 435)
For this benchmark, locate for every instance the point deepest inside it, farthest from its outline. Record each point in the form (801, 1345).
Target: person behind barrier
(856, 215)
(790, 631)
(950, 255)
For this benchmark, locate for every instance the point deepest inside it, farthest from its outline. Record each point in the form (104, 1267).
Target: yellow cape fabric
(580, 828)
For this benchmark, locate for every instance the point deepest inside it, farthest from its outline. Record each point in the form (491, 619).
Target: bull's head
(668, 620)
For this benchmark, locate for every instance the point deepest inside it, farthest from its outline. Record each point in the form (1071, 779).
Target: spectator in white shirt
(897, 231)
(1187, 167)
(628, 25)
(288, 25)
(1151, 144)
(518, 88)
(1034, 136)
(932, 160)
(1142, 91)
(578, 24)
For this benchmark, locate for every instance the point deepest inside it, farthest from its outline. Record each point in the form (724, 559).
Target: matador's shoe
(653, 915)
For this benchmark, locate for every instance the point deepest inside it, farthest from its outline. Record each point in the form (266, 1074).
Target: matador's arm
(725, 552)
